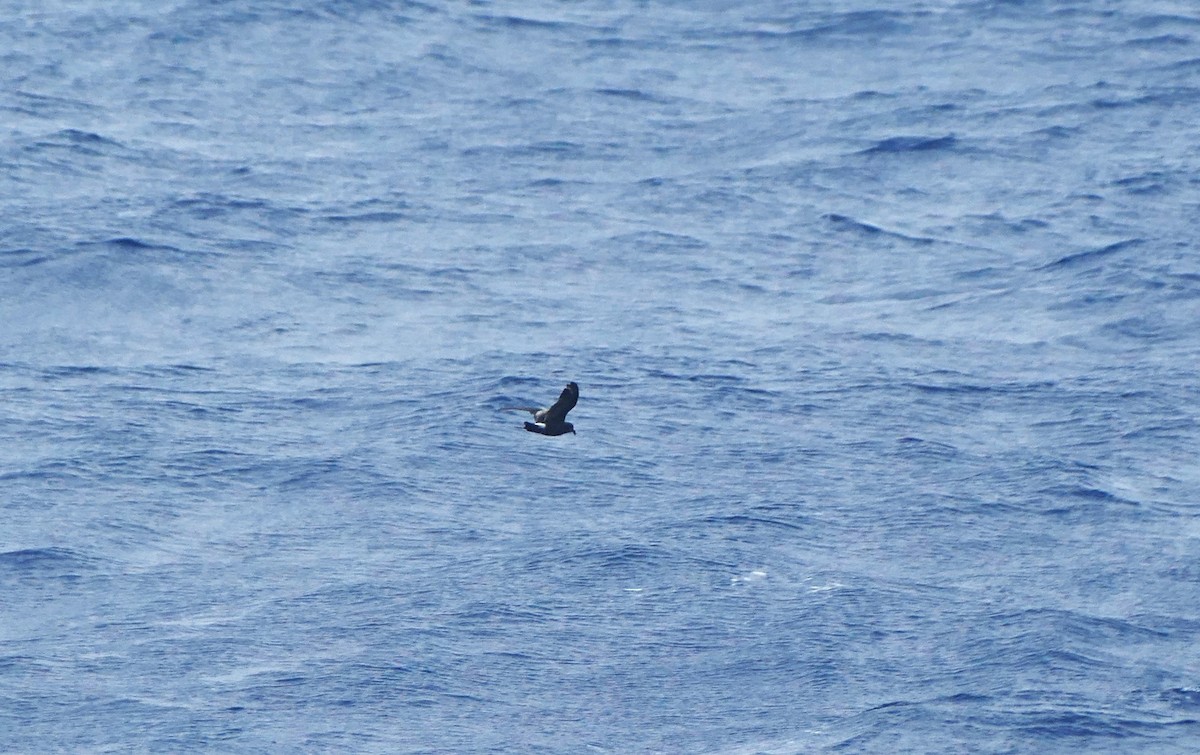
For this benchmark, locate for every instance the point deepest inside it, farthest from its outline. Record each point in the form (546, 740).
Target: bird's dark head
(572, 428)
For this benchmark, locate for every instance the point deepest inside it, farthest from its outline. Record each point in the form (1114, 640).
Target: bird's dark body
(559, 429)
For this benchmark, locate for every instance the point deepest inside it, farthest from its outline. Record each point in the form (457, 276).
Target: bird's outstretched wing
(566, 402)
(530, 409)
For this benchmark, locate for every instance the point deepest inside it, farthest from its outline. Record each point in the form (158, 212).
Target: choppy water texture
(884, 317)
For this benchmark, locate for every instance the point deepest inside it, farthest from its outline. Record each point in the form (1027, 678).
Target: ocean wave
(912, 144)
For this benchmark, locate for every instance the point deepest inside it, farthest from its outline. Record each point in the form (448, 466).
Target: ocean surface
(886, 321)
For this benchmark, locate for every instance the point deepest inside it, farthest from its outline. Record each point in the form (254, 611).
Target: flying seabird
(552, 421)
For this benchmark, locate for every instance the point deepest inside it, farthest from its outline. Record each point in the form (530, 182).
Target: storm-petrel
(552, 421)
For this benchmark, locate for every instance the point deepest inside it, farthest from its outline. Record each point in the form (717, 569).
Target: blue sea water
(884, 317)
